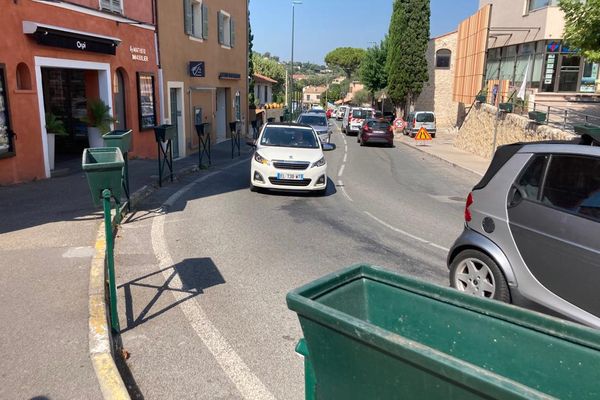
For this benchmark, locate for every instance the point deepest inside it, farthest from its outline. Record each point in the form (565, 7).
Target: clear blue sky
(322, 25)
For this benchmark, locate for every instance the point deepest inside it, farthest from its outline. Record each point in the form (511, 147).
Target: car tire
(470, 268)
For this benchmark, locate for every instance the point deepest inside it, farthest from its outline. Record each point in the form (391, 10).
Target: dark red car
(376, 130)
(329, 112)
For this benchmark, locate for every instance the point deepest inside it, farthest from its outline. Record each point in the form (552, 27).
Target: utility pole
(294, 3)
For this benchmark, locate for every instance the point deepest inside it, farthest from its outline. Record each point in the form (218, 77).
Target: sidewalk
(442, 148)
(47, 235)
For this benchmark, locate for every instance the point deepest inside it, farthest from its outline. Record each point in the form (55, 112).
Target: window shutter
(205, 21)
(105, 4)
(117, 6)
(232, 26)
(221, 28)
(187, 17)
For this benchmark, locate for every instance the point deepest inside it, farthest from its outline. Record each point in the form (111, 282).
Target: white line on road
(341, 186)
(248, 384)
(341, 170)
(345, 157)
(417, 238)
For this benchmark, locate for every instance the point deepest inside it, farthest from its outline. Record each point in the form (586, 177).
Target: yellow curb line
(100, 340)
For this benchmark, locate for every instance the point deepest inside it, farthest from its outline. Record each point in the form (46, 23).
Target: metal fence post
(110, 260)
(565, 119)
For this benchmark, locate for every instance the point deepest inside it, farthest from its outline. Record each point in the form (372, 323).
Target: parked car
(346, 119)
(316, 110)
(376, 130)
(356, 119)
(319, 123)
(420, 119)
(532, 230)
(329, 112)
(340, 113)
(289, 156)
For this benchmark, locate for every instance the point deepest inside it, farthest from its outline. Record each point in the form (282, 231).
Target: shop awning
(49, 35)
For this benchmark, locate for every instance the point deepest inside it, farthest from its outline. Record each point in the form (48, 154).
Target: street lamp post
(291, 104)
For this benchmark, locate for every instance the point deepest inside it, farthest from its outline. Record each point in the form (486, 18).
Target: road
(203, 284)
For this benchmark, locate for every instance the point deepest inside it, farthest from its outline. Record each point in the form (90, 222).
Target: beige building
(353, 88)
(263, 89)
(437, 92)
(311, 95)
(204, 63)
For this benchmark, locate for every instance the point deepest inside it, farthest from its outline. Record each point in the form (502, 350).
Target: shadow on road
(196, 274)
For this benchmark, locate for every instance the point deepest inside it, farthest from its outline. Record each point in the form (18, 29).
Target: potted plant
(98, 121)
(54, 127)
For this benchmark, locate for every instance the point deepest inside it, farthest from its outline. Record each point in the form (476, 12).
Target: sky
(323, 25)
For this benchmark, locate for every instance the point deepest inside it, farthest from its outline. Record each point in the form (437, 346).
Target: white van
(339, 115)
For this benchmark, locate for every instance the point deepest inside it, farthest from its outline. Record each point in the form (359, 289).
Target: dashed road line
(341, 172)
(341, 186)
(410, 235)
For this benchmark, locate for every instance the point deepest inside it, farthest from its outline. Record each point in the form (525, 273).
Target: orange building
(57, 56)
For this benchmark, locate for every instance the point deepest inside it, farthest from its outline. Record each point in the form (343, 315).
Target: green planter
(482, 98)
(537, 116)
(506, 107)
(374, 334)
(165, 132)
(118, 138)
(587, 129)
(103, 168)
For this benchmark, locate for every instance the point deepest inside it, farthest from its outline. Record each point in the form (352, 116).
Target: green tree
(406, 63)
(346, 58)
(361, 97)
(334, 93)
(372, 70)
(582, 26)
(272, 69)
(251, 98)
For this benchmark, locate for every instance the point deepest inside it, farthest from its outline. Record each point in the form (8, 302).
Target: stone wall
(477, 133)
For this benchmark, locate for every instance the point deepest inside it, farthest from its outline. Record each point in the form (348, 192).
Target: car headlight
(319, 163)
(260, 159)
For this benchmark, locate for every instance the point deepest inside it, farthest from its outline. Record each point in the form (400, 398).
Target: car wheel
(475, 273)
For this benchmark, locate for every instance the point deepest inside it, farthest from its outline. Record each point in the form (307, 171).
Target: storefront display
(146, 101)
(5, 132)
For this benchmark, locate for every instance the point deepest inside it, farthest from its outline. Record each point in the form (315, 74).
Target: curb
(439, 158)
(100, 337)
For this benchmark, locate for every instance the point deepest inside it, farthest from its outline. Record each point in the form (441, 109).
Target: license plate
(294, 177)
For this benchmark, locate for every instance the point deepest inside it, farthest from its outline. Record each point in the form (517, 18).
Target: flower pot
(94, 137)
(51, 147)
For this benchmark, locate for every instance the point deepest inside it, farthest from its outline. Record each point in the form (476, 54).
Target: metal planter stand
(165, 134)
(235, 137)
(122, 140)
(203, 131)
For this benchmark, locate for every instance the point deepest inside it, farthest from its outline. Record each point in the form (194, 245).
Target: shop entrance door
(221, 115)
(175, 114)
(570, 67)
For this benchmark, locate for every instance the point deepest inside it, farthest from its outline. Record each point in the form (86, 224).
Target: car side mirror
(328, 146)
(515, 196)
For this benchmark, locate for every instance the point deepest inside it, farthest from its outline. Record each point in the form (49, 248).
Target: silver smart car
(532, 230)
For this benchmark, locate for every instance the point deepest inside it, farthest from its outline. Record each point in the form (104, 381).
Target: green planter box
(374, 334)
(587, 129)
(537, 116)
(118, 138)
(103, 168)
(482, 98)
(165, 132)
(506, 107)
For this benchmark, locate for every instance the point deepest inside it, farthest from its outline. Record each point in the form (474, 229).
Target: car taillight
(467, 205)
(366, 128)
(390, 130)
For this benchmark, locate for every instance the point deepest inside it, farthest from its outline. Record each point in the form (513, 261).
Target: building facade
(263, 89)
(311, 96)
(437, 92)
(203, 58)
(57, 56)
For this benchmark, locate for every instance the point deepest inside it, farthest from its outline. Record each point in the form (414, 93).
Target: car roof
(318, 114)
(288, 125)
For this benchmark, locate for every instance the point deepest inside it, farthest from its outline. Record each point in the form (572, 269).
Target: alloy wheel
(473, 276)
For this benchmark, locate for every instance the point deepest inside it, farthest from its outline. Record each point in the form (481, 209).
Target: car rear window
(378, 125)
(313, 120)
(425, 117)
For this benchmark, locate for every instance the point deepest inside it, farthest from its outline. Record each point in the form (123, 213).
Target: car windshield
(425, 117)
(378, 125)
(313, 120)
(283, 136)
(362, 114)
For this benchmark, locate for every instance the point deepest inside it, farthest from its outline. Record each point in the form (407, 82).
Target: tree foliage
(407, 47)
(271, 69)
(251, 98)
(346, 58)
(582, 26)
(361, 97)
(334, 93)
(372, 69)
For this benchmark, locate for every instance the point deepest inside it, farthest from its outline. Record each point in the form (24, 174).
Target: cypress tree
(407, 47)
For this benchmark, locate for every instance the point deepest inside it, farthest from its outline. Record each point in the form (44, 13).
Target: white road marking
(341, 185)
(341, 170)
(248, 384)
(400, 231)
(345, 157)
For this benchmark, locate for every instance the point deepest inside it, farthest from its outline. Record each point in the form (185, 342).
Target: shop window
(442, 58)
(115, 6)
(6, 134)
(146, 100)
(226, 29)
(196, 18)
(23, 77)
(537, 4)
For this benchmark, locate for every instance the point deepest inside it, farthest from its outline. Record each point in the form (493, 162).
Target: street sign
(422, 135)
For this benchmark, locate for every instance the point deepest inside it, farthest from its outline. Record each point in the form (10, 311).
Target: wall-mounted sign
(550, 68)
(69, 39)
(229, 75)
(197, 69)
(138, 53)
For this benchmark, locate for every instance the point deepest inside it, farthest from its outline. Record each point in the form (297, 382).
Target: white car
(289, 156)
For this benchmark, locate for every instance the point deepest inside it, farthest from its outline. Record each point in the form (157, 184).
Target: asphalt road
(203, 281)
